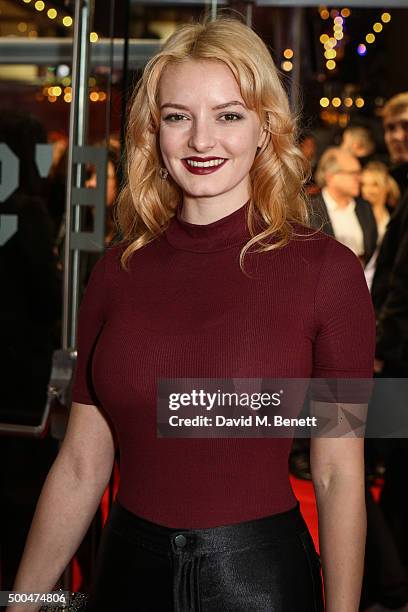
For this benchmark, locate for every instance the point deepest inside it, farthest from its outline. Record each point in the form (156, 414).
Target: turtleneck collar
(227, 232)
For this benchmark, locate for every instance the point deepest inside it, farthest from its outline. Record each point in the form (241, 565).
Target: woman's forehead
(192, 78)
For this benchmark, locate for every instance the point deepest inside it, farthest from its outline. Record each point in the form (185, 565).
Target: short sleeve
(90, 322)
(344, 342)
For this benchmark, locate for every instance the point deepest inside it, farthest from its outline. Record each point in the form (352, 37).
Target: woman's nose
(202, 137)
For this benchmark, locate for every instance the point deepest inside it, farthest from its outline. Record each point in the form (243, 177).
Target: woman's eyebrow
(219, 106)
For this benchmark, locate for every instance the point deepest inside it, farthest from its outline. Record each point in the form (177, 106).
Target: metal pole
(249, 12)
(296, 34)
(77, 137)
(125, 79)
(213, 10)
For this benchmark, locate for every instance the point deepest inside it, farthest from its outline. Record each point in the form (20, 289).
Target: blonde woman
(381, 190)
(218, 276)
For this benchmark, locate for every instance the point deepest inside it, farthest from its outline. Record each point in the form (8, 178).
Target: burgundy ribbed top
(185, 310)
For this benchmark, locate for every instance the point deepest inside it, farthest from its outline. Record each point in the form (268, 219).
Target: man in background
(395, 121)
(345, 215)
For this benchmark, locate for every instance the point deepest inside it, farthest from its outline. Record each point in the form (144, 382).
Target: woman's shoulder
(115, 250)
(111, 258)
(107, 267)
(322, 249)
(315, 239)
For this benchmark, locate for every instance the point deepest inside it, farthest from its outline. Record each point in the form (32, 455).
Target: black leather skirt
(265, 565)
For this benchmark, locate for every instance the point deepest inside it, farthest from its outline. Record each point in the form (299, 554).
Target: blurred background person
(381, 190)
(112, 188)
(395, 120)
(390, 282)
(308, 145)
(57, 185)
(390, 297)
(358, 141)
(344, 214)
(59, 141)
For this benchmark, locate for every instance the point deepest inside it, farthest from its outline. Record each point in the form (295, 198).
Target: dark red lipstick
(201, 169)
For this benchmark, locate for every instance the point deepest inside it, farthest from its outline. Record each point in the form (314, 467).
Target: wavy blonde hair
(279, 172)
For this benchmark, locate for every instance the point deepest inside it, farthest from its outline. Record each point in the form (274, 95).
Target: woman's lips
(203, 169)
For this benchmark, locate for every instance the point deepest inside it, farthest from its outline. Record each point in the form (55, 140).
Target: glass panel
(35, 81)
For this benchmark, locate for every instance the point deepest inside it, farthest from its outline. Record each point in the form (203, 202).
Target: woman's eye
(175, 117)
(231, 116)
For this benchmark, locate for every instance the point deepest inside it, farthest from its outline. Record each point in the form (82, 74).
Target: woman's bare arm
(337, 466)
(68, 501)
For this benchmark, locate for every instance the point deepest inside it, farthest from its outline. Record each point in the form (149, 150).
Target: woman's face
(208, 137)
(374, 188)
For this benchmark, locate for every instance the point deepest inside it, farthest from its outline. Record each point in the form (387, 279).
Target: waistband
(162, 539)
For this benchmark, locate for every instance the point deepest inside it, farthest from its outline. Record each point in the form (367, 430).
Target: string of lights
(53, 14)
(371, 36)
(348, 102)
(337, 109)
(55, 92)
(331, 43)
(59, 90)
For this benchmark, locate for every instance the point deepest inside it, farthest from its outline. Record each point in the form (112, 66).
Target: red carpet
(303, 490)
